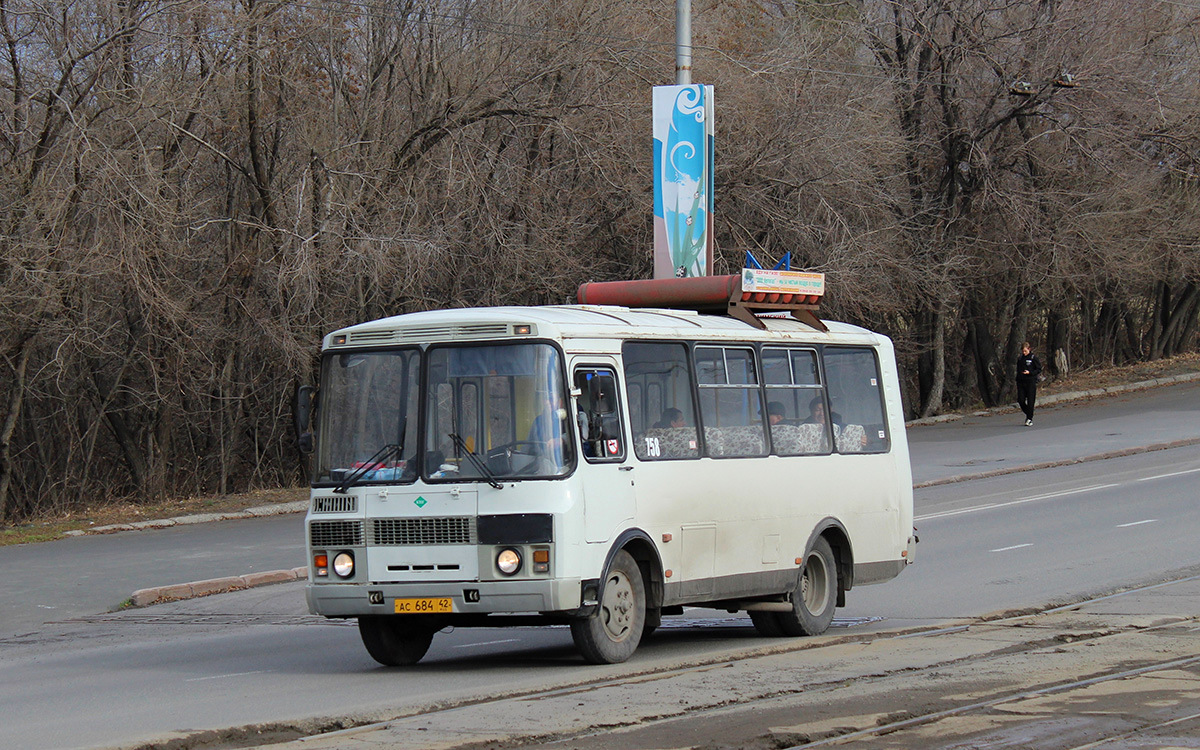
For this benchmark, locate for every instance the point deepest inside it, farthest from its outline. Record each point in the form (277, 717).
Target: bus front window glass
(665, 426)
(515, 394)
(368, 417)
(856, 400)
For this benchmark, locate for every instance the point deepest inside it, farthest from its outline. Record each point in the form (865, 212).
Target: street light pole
(683, 42)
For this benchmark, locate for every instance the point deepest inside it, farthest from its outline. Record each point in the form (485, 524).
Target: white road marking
(1075, 492)
(1136, 523)
(1172, 474)
(487, 643)
(1035, 498)
(223, 676)
(1015, 546)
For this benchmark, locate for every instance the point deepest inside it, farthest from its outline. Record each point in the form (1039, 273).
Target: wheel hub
(617, 607)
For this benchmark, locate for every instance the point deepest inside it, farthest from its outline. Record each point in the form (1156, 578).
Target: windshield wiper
(475, 460)
(381, 456)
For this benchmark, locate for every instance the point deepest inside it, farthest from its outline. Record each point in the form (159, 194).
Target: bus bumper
(466, 597)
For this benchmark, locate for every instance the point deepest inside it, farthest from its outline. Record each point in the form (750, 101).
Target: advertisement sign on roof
(783, 282)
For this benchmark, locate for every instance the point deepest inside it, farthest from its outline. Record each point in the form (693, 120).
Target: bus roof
(565, 322)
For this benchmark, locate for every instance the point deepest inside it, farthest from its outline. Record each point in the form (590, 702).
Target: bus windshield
(505, 404)
(368, 417)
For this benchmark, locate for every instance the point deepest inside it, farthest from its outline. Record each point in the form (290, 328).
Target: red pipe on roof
(692, 293)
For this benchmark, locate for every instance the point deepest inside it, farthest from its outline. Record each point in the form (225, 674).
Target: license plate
(429, 605)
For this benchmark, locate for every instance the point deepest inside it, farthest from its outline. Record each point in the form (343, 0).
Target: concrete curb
(162, 523)
(175, 592)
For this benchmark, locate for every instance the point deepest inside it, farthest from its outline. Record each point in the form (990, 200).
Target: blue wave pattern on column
(683, 170)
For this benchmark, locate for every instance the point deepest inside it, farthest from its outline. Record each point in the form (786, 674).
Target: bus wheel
(610, 635)
(393, 640)
(815, 596)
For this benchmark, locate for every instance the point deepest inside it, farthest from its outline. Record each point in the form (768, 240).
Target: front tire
(611, 634)
(815, 597)
(395, 640)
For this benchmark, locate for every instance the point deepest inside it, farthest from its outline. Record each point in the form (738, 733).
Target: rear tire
(767, 624)
(611, 634)
(815, 597)
(395, 640)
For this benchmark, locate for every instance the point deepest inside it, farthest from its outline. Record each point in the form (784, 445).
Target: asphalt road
(1064, 432)
(254, 656)
(1045, 537)
(88, 574)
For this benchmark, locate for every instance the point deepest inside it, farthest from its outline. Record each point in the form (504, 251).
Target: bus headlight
(508, 561)
(343, 564)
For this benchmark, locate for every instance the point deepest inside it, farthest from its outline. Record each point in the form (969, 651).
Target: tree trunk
(937, 382)
(1182, 320)
(1018, 333)
(1058, 343)
(984, 354)
(1174, 319)
(16, 395)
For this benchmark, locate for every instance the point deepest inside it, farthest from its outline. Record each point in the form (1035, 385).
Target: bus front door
(607, 477)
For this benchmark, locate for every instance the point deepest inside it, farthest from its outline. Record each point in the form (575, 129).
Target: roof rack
(743, 296)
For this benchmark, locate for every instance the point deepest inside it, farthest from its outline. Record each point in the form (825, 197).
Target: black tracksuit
(1028, 369)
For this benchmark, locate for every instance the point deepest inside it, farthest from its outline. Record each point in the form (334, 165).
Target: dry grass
(47, 529)
(1101, 377)
(50, 528)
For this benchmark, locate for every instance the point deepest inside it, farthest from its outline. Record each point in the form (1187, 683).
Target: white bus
(601, 467)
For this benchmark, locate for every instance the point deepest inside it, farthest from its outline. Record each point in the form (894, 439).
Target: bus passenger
(816, 411)
(776, 414)
(670, 418)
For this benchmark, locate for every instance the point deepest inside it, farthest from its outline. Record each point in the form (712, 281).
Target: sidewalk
(1049, 680)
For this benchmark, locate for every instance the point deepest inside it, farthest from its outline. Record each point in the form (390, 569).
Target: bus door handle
(624, 467)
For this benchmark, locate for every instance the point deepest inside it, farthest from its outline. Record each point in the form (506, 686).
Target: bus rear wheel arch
(814, 600)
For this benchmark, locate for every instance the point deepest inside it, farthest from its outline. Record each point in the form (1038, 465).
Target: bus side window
(856, 400)
(795, 402)
(731, 407)
(598, 414)
(666, 428)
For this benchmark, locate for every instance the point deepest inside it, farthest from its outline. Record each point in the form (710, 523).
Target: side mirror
(306, 400)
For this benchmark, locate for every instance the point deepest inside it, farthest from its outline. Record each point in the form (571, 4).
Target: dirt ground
(46, 529)
(1100, 377)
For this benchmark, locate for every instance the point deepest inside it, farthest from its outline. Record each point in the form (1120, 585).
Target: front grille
(336, 533)
(400, 531)
(346, 504)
